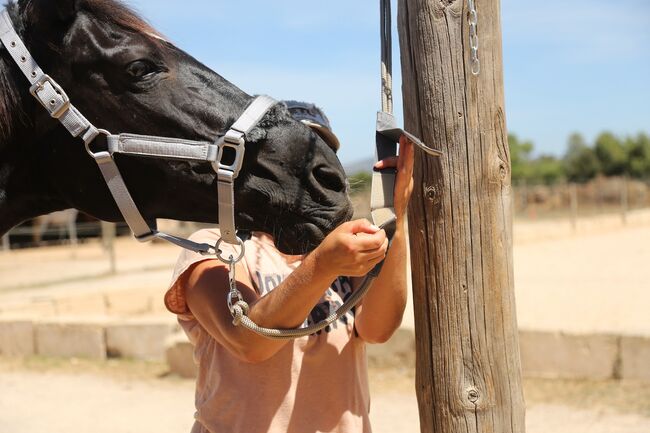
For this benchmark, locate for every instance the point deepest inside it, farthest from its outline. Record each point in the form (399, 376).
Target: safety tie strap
(383, 181)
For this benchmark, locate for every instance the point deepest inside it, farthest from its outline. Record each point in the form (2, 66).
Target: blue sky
(580, 65)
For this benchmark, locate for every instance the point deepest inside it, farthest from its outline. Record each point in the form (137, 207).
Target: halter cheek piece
(226, 155)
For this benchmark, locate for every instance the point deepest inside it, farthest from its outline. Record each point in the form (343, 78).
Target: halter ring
(231, 260)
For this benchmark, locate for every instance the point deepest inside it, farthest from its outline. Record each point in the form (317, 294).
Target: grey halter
(226, 164)
(52, 97)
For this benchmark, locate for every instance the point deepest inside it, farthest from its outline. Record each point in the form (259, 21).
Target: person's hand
(404, 178)
(352, 249)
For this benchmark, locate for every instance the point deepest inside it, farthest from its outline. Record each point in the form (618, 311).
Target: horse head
(125, 77)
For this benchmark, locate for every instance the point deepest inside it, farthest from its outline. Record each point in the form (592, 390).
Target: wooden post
(624, 199)
(6, 245)
(468, 376)
(108, 244)
(573, 194)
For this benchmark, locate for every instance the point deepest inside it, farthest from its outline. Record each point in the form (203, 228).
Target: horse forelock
(110, 11)
(121, 15)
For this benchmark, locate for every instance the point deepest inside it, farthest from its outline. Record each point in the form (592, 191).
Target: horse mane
(112, 11)
(10, 108)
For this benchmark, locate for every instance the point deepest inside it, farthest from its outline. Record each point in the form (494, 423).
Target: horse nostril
(329, 178)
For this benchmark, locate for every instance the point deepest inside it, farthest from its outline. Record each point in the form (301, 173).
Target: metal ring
(90, 141)
(230, 260)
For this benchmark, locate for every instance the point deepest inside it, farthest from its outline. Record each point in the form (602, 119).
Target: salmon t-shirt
(313, 384)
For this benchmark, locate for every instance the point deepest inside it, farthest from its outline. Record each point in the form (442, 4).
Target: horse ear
(51, 11)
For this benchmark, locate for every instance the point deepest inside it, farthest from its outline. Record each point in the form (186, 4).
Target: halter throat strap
(226, 155)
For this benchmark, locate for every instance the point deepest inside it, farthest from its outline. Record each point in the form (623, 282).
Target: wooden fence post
(108, 244)
(468, 376)
(573, 194)
(625, 206)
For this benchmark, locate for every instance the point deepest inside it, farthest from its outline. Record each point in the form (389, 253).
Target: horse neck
(24, 190)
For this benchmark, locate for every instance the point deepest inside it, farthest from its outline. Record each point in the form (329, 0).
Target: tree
(520, 153)
(360, 182)
(580, 161)
(547, 169)
(638, 151)
(611, 154)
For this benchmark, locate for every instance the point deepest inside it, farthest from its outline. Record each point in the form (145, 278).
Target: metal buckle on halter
(55, 106)
(146, 237)
(235, 141)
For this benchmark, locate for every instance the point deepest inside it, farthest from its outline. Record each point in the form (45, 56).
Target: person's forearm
(383, 306)
(286, 306)
(289, 304)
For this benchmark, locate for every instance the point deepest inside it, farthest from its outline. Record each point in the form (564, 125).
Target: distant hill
(359, 166)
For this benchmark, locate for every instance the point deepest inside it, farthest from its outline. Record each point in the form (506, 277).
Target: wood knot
(503, 172)
(430, 192)
(473, 395)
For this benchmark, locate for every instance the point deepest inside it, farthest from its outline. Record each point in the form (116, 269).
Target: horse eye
(140, 68)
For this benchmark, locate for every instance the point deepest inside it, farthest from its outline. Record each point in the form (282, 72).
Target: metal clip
(234, 293)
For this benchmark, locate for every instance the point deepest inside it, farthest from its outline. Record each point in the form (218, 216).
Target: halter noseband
(226, 155)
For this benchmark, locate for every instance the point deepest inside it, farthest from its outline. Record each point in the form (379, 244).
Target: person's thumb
(362, 226)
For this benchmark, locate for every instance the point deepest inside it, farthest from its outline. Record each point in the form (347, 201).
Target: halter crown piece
(226, 155)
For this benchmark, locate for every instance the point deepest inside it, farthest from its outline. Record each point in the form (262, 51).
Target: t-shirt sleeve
(175, 296)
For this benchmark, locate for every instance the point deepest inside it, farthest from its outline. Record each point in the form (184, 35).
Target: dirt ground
(595, 282)
(44, 395)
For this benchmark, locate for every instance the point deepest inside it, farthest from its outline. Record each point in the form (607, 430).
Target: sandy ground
(586, 283)
(121, 397)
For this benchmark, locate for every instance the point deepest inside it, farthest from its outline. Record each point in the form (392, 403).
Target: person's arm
(381, 310)
(289, 304)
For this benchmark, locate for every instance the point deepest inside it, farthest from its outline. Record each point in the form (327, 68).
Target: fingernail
(374, 227)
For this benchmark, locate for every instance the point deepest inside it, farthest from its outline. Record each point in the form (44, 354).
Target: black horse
(124, 77)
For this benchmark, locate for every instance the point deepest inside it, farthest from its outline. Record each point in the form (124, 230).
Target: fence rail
(570, 200)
